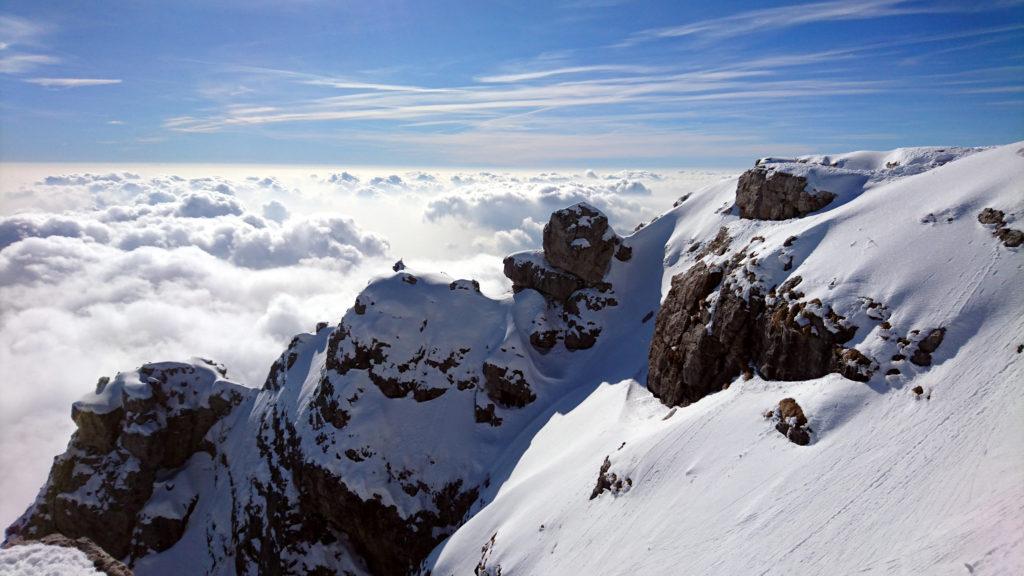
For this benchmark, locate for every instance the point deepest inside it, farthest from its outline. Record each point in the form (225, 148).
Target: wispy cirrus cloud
(538, 74)
(472, 105)
(72, 82)
(793, 15)
(19, 44)
(18, 63)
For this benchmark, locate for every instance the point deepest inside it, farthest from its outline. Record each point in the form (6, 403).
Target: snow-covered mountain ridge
(621, 411)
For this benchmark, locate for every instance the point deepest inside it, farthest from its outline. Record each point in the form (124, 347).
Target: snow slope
(373, 439)
(45, 560)
(894, 483)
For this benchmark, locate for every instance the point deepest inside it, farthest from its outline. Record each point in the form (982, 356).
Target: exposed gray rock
(992, 216)
(507, 386)
(98, 487)
(764, 194)
(529, 270)
(579, 240)
(698, 349)
(578, 248)
(608, 481)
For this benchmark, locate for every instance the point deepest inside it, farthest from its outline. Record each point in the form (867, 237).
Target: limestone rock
(698, 348)
(579, 240)
(530, 270)
(764, 194)
(931, 342)
(507, 386)
(131, 429)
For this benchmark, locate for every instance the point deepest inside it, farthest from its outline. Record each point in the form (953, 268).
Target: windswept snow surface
(45, 560)
(893, 483)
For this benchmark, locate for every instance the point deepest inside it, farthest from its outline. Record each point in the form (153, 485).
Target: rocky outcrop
(580, 241)
(766, 194)
(308, 502)
(1010, 237)
(133, 429)
(507, 386)
(102, 561)
(579, 246)
(712, 327)
(529, 270)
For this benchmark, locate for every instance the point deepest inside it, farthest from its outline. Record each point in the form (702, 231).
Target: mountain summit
(810, 368)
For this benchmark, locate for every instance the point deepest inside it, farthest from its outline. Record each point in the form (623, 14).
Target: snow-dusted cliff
(620, 413)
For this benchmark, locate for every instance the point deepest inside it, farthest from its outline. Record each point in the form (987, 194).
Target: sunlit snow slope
(893, 483)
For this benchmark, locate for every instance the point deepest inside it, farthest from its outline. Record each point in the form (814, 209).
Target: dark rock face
(98, 487)
(388, 543)
(102, 561)
(698, 349)
(1010, 237)
(275, 377)
(764, 194)
(579, 240)
(507, 386)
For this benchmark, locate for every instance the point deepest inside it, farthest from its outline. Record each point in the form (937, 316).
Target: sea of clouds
(102, 270)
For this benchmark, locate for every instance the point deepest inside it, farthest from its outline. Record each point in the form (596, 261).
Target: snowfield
(431, 404)
(45, 560)
(894, 483)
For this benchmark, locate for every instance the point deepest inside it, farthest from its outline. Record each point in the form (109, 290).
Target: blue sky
(504, 83)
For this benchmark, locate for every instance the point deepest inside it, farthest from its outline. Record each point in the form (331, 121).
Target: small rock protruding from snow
(1010, 237)
(608, 481)
(923, 355)
(791, 422)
